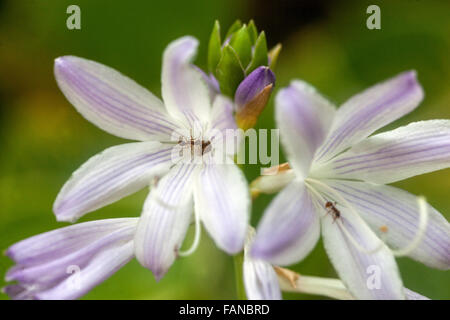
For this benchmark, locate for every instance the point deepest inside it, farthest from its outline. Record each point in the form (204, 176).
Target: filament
(423, 222)
(197, 236)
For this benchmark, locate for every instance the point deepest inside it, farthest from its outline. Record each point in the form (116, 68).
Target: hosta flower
(188, 121)
(66, 263)
(337, 186)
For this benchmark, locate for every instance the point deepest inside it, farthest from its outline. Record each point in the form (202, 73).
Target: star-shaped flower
(191, 121)
(337, 186)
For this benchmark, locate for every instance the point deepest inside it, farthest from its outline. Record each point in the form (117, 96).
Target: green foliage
(242, 47)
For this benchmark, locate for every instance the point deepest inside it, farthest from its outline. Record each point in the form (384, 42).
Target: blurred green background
(43, 139)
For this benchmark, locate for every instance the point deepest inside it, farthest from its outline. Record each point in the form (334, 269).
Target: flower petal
(112, 101)
(100, 268)
(417, 148)
(393, 214)
(165, 220)
(411, 295)
(289, 229)
(222, 114)
(53, 266)
(90, 251)
(260, 280)
(303, 117)
(223, 202)
(222, 129)
(60, 242)
(185, 92)
(111, 175)
(273, 179)
(370, 110)
(367, 275)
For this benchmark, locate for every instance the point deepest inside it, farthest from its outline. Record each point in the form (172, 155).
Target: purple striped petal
(100, 268)
(252, 85)
(45, 263)
(112, 101)
(223, 202)
(371, 110)
(53, 244)
(111, 175)
(417, 148)
(185, 92)
(394, 215)
(222, 114)
(165, 219)
(222, 129)
(303, 117)
(289, 229)
(368, 275)
(211, 81)
(260, 280)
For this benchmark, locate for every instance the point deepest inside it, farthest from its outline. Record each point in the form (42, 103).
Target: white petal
(223, 202)
(222, 129)
(304, 118)
(260, 280)
(289, 229)
(272, 181)
(394, 215)
(411, 295)
(111, 175)
(417, 148)
(165, 220)
(369, 111)
(185, 92)
(112, 101)
(368, 274)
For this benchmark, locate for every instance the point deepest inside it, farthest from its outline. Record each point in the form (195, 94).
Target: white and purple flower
(190, 119)
(337, 185)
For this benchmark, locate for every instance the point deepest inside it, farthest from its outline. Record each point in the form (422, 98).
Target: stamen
(423, 222)
(197, 236)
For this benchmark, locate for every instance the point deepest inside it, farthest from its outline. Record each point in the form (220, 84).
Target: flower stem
(238, 273)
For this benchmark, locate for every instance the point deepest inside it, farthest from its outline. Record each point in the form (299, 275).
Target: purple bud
(252, 85)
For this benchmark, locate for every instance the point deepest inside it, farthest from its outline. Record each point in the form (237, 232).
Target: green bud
(229, 71)
(241, 43)
(252, 31)
(214, 48)
(242, 51)
(260, 57)
(234, 27)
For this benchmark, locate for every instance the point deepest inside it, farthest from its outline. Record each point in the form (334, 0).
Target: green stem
(238, 273)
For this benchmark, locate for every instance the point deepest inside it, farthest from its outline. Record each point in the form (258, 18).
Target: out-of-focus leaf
(229, 71)
(273, 56)
(259, 54)
(214, 47)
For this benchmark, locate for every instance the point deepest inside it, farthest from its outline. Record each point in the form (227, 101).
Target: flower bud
(242, 51)
(252, 96)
